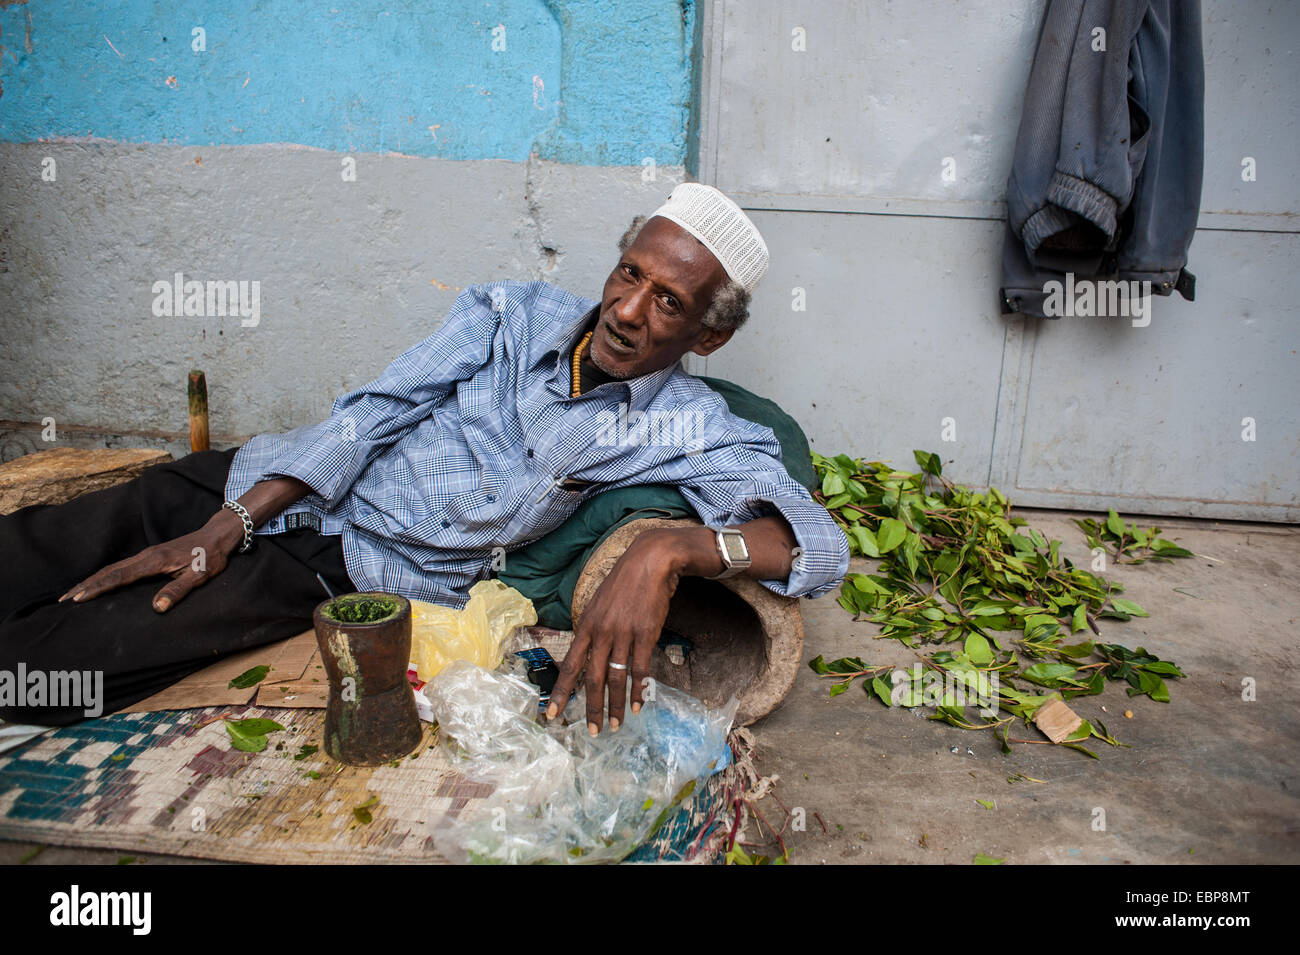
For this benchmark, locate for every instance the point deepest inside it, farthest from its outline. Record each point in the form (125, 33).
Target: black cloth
(262, 596)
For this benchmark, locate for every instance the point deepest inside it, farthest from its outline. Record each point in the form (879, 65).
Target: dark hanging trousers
(262, 596)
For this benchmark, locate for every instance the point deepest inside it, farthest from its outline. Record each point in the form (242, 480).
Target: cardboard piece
(1056, 720)
(307, 689)
(295, 656)
(289, 660)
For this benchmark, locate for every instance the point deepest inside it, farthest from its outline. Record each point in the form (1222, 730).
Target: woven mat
(170, 782)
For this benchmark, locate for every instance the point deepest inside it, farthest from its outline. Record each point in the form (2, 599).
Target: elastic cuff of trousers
(1084, 199)
(1044, 224)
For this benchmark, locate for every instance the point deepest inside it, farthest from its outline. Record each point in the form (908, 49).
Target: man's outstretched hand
(626, 615)
(621, 625)
(196, 558)
(190, 561)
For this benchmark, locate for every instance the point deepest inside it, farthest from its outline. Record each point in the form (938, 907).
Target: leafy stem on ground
(1002, 606)
(1122, 540)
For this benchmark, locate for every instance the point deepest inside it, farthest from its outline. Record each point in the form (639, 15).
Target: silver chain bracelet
(247, 519)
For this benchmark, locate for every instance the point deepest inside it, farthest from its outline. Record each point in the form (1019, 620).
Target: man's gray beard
(591, 353)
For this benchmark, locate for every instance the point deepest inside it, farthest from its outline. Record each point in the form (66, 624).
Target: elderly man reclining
(485, 436)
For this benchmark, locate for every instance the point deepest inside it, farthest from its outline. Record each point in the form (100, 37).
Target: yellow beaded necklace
(577, 360)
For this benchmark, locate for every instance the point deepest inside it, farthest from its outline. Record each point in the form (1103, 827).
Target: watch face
(735, 545)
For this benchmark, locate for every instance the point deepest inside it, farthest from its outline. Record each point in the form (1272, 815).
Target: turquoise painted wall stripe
(596, 82)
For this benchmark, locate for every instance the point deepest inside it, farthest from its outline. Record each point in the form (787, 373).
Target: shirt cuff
(324, 461)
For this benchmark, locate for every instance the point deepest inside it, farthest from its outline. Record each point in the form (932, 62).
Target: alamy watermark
(668, 427)
(1095, 298)
(76, 689)
(76, 907)
(212, 299)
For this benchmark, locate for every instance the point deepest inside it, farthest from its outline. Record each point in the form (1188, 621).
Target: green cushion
(547, 570)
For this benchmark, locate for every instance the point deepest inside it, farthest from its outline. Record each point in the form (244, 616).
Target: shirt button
(446, 523)
(491, 497)
(530, 452)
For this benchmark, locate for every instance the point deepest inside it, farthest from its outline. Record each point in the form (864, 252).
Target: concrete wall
(362, 165)
(836, 123)
(516, 138)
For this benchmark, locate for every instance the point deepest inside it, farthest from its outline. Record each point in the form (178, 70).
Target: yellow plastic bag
(479, 632)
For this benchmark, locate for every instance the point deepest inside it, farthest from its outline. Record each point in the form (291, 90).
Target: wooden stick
(198, 393)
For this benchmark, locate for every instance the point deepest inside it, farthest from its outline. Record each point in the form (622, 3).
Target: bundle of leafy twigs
(1128, 540)
(956, 569)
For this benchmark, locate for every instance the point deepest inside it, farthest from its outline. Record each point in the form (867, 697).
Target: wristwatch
(735, 555)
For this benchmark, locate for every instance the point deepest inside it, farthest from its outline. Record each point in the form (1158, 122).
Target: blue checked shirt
(469, 446)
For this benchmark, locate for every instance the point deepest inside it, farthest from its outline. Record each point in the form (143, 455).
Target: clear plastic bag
(478, 632)
(561, 795)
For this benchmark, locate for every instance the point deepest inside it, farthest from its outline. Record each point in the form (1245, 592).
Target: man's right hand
(191, 561)
(198, 557)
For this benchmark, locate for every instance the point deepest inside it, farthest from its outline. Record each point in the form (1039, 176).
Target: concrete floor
(1210, 778)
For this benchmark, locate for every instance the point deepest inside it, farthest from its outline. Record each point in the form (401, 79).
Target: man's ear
(712, 340)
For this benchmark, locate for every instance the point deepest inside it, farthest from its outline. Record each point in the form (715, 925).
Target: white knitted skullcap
(724, 229)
